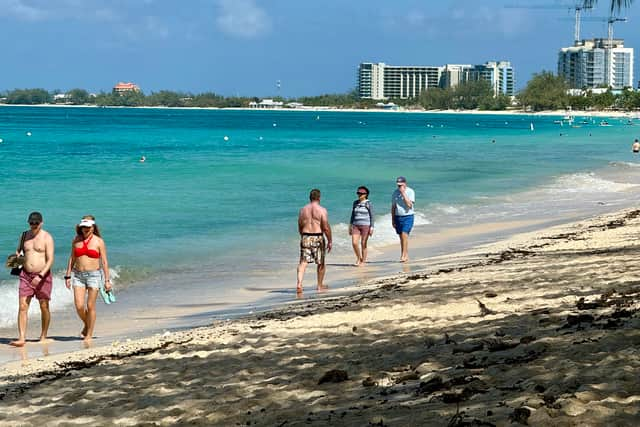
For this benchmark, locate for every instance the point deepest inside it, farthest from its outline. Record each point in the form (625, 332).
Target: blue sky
(243, 47)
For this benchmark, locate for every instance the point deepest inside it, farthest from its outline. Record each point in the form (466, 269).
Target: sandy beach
(540, 329)
(516, 112)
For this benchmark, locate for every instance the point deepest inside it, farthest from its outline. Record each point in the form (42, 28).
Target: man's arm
(300, 222)
(48, 254)
(405, 197)
(326, 229)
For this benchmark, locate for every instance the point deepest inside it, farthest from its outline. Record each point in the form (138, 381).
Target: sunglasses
(361, 194)
(34, 222)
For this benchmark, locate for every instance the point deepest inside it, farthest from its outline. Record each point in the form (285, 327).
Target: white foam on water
(624, 165)
(587, 183)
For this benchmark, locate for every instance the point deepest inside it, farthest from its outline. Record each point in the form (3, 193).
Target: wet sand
(542, 328)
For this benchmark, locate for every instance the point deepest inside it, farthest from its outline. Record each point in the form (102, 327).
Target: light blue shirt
(401, 207)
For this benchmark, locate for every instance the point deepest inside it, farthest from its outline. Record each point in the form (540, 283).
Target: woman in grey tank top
(361, 224)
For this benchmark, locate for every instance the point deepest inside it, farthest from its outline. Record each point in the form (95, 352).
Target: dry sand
(541, 329)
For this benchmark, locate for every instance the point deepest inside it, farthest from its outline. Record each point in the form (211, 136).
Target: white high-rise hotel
(381, 81)
(597, 63)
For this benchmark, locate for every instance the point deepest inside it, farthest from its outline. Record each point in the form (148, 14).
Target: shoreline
(498, 329)
(598, 113)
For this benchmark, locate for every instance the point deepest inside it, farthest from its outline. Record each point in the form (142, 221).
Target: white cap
(86, 223)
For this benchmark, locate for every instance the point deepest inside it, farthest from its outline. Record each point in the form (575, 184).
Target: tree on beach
(78, 96)
(28, 96)
(615, 5)
(545, 91)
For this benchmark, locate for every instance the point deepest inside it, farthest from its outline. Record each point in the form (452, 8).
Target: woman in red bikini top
(86, 268)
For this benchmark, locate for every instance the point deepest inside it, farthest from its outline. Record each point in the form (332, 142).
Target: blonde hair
(96, 230)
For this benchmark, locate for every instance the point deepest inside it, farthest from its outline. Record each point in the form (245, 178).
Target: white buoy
(28, 133)
(274, 125)
(1, 140)
(226, 138)
(531, 125)
(260, 138)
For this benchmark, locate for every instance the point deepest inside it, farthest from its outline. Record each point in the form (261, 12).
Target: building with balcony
(597, 63)
(125, 87)
(382, 81)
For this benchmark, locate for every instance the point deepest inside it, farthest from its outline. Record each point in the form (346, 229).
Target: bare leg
(363, 242)
(321, 270)
(45, 315)
(301, 269)
(78, 299)
(404, 245)
(356, 248)
(23, 312)
(91, 313)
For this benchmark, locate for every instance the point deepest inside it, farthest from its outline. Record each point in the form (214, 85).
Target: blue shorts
(404, 224)
(86, 279)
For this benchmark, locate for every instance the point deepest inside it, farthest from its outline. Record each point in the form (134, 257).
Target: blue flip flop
(112, 296)
(104, 295)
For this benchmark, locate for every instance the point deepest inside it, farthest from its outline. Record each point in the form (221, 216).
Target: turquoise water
(215, 208)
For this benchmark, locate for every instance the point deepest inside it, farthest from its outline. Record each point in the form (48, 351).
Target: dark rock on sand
(428, 387)
(520, 415)
(334, 376)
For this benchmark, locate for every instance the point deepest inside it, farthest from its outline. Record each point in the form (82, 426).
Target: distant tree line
(166, 98)
(545, 91)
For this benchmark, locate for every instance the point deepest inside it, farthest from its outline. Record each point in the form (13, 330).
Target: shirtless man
(313, 226)
(636, 146)
(35, 278)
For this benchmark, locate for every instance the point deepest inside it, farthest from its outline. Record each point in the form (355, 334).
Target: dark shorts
(404, 224)
(27, 289)
(357, 230)
(312, 248)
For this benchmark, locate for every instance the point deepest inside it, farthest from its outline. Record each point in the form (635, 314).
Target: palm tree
(616, 5)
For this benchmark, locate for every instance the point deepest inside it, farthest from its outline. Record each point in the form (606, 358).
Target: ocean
(214, 207)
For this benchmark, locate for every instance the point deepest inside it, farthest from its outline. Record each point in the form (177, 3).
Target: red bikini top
(84, 250)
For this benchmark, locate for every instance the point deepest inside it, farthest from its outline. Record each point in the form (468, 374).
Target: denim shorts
(87, 279)
(404, 224)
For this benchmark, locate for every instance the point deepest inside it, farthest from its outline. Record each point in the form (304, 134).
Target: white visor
(86, 223)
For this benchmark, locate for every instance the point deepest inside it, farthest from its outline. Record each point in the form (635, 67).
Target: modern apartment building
(381, 81)
(596, 63)
(498, 74)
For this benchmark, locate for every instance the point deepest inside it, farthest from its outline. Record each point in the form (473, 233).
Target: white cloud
(21, 10)
(242, 18)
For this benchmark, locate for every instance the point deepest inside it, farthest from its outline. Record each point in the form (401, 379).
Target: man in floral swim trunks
(313, 225)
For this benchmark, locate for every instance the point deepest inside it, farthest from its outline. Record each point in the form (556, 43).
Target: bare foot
(83, 332)
(356, 264)
(44, 340)
(17, 343)
(404, 259)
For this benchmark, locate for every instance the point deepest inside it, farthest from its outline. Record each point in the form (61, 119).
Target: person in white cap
(402, 201)
(88, 257)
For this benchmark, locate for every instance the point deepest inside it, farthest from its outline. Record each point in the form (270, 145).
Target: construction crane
(577, 7)
(610, 21)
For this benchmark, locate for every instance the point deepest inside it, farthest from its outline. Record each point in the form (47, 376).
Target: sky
(245, 47)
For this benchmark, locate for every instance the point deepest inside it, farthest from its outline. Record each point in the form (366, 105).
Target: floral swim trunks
(312, 248)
